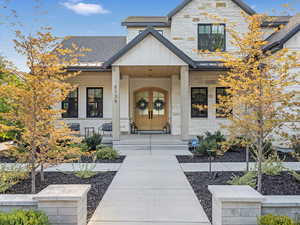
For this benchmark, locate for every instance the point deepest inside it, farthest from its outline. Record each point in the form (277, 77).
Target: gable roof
(240, 3)
(150, 31)
(279, 38)
(102, 47)
(140, 21)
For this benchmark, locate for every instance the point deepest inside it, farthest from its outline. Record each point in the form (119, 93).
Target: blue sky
(95, 17)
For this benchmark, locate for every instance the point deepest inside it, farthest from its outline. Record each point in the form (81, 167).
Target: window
(159, 31)
(211, 37)
(94, 102)
(220, 91)
(199, 107)
(70, 105)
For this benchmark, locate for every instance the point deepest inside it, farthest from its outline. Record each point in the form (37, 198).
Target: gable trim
(169, 45)
(240, 3)
(276, 46)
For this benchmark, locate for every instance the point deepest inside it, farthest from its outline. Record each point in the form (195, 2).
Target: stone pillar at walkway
(184, 95)
(116, 103)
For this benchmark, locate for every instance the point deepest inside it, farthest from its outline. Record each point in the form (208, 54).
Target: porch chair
(106, 127)
(89, 131)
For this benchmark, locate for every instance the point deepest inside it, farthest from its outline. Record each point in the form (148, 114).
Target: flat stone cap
(282, 201)
(235, 193)
(63, 192)
(12, 200)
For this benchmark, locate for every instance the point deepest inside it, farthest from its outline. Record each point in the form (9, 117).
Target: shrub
(106, 153)
(24, 217)
(84, 170)
(275, 220)
(93, 141)
(211, 141)
(10, 175)
(272, 166)
(268, 150)
(248, 178)
(295, 140)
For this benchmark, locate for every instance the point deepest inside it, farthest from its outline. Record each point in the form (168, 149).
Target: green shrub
(106, 153)
(93, 141)
(84, 170)
(210, 141)
(11, 175)
(248, 178)
(268, 150)
(24, 217)
(275, 220)
(272, 166)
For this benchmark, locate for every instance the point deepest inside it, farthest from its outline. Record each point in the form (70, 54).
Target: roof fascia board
(240, 3)
(145, 24)
(160, 38)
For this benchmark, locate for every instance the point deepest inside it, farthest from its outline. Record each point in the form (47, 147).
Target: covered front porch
(157, 99)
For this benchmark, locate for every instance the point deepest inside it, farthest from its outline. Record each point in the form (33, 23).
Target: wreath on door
(142, 104)
(158, 104)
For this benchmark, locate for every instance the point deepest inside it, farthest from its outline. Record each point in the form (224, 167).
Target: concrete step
(164, 147)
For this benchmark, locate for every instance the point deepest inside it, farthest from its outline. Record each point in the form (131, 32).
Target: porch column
(184, 95)
(116, 103)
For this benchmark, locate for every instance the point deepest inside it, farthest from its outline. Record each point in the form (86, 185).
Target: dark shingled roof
(102, 47)
(278, 39)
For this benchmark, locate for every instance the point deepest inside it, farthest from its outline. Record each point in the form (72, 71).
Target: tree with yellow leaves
(44, 139)
(261, 101)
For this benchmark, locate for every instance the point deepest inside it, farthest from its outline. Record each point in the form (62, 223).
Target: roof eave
(145, 24)
(240, 3)
(160, 38)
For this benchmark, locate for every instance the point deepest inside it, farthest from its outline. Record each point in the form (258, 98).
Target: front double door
(151, 109)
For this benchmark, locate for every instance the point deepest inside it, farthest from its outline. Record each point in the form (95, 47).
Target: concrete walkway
(150, 189)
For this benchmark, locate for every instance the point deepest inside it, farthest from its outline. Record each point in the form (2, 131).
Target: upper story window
(199, 101)
(94, 102)
(70, 105)
(159, 31)
(211, 37)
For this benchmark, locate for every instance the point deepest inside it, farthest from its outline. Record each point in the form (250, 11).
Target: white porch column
(116, 103)
(184, 95)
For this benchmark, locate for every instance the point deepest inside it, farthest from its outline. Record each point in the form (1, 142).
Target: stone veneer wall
(241, 205)
(282, 205)
(63, 204)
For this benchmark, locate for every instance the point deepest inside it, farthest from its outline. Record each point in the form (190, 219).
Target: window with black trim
(94, 102)
(220, 92)
(70, 105)
(199, 102)
(211, 37)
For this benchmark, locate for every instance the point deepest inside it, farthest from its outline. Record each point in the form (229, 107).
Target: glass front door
(151, 109)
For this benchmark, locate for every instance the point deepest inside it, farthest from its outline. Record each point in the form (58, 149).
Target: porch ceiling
(150, 71)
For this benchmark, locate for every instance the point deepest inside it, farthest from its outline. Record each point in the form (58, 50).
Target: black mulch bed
(99, 185)
(84, 159)
(88, 159)
(284, 184)
(231, 156)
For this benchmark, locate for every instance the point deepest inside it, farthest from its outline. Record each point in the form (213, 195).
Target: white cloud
(85, 9)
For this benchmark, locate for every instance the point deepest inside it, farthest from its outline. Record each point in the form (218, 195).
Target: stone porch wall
(241, 205)
(63, 204)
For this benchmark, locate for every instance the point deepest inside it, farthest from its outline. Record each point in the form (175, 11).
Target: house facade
(154, 79)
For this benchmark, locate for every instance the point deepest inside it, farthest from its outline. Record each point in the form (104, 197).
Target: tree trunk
(247, 157)
(42, 174)
(33, 179)
(259, 168)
